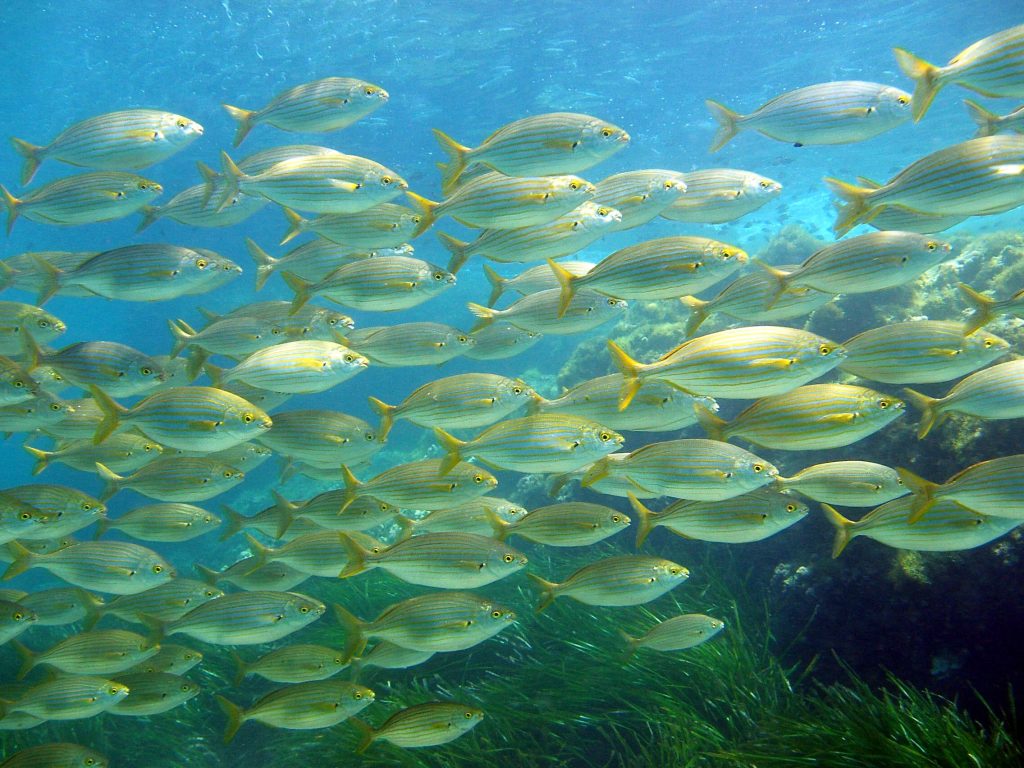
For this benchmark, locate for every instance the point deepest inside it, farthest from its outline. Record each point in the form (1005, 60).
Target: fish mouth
(624, 138)
(383, 95)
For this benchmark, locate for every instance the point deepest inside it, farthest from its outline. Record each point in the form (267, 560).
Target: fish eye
(574, 185)
(90, 761)
(202, 263)
(603, 211)
(25, 516)
(478, 479)
(825, 349)
(18, 615)
(726, 254)
(158, 568)
(44, 323)
(495, 614)
(765, 185)
(54, 406)
(142, 185)
(902, 100)
(989, 343)
(182, 124)
(932, 245)
(146, 370)
(759, 468)
(357, 695)
(883, 404)
(669, 184)
(791, 507)
(517, 390)
(385, 180)
(468, 715)
(248, 418)
(606, 132)
(439, 275)
(605, 437)
(616, 518)
(508, 558)
(18, 383)
(86, 506)
(228, 473)
(369, 91)
(612, 302)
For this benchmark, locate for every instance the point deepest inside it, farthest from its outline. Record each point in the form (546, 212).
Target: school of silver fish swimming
(139, 422)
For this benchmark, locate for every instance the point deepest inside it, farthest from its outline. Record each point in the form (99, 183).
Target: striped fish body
(85, 198)
(298, 367)
(317, 554)
(190, 418)
(619, 581)
(17, 319)
(383, 226)
(151, 272)
(320, 106)
(305, 706)
(97, 652)
(267, 522)
(171, 659)
(993, 393)
(316, 319)
(639, 195)
(447, 560)
(384, 284)
(78, 420)
(56, 756)
(464, 401)
(27, 274)
(390, 656)
(477, 516)
(679, 633)
(60, 606)
(948, 527)
(870, 262)
(16, 384)
(295, 664)
(167, 602)
(15, 618)
(754, 297)
(165, 522)
(29, 415)
(419, 485)
(749, 362)
(991, 487)
(665, 268)
(330, 183)
(499, 341)
(62, 510)
(322, 438)
(70, 697)
(177, 478)
(920, 352)
(753, 516)
(248, 618)
(539, 145)
(235, 337)
(115, 141)
(246, 456)
(116, 567)
(19, 519)
(315, 260)
(811, 417)
(265, 159)
(839, 112)
(118, 369)
(247, 574)
(540, 443)
(425, 725)
(405, 344)
(571, 524)
(700, 470)
(441, 621)
(847, 483)
(540, 312)
(497, 201)
(656, 407)
(325, 510)
(718, 195)
(566, 235)
(153, 693)
(192, 208)
(533, 280)
(903, 219)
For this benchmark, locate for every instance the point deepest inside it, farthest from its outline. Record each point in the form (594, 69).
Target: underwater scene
(541, 384)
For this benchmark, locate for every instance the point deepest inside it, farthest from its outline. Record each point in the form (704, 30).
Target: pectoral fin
(202, 426)
(773, 362)
(343, 186)
(837, 418)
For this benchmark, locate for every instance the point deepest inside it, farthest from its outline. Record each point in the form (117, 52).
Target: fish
(753, 516)
(191, 418)
(118, 369)
(533, 280)
(435, 622)
(384, 284)
(326, 511)
(699, 470)
(323, 438)
(303, 706)
(463, 401)
(319, 106)
(39, 412)
(448, 560)
(75, 419)
(247, 618)
(664, 268)
(808, 418)
(676, 634)
(847, 483)
(422, 725)
(564, 236)
(986, 309)
(315, 260)
(329, 183)
(385, 225)
(992, 66)
(272, 576)
(544, 312)
(948, 527)
(144, 272)
(16, 383)
(920, 352)
(235, 337)
(748, 362)
(121, 453)
(302, 663)
(615, 581)
(170, 659)
(989, 123)
(420, 485)
(15, 618)
(153, 693)
(755, 297)
(496, 201)
(95, 652)
(62, 755)
(538, 443)
(500, 340)
(973, 177)
(62, 510)
(390, 656)
(115, 141)
(548, 144)
(116, 567)
(840, 112)
(480, 516)
(571, 524)
(993, 393)
(322, 324)
(162, 522)
(68, 697)
(18, 320)
(865, 263)
(84, 198)
(990, 487)
(640, 196)
(269, 522)
(294, 367)
(321, 553)
(60, 606)
(190, 206)
(167, 602)
(405, 344)
(174, 478)
(720, 195)
(22, 271)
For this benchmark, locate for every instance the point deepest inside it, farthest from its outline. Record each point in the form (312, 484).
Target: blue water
(466, 68)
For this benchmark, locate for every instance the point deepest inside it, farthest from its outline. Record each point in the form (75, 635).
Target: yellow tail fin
(296, 226)
(355, 633)
(727, 124)
(923, 490)
(244, 117)
(630, 370)
(366, 734)
(548, 591)
(42, 458)
(236, 716)
(303, 291)
(985, 120)
(497, 281)
(113, 481)
(566, 280)
(926, 81)
(12, 204)
(844, 529)
(265, 263)
(453, 450)
(457, 160)
(714, 425)
(457, 248)
(698, 313)
(487, 315)
(856, 208)
(231, 177)
(644, 522)
(386, 413)
(931, 416)
(357, 557)
(112, 414)
(982, 306)
(32, 156)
